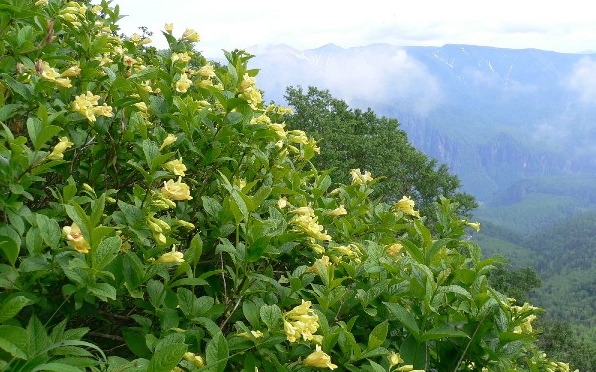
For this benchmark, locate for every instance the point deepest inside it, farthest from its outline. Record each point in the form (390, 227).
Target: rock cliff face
(495, 116)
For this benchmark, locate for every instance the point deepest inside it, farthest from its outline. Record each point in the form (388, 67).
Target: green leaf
(441, 332)
(14, 340)
(134, 215)
(12, 307)
(251, 313)
(7, 111)
(270, 315)
(217, 353)
(49, 230)
(56, 367)
(406, 318)
(166, 358)
(106, 252)
(193, 254)
(10, 249)
(238, 206)
(103, 291)
(157, 293)
(376, 367)
(256, 249)
(211, 205)
(378, 335)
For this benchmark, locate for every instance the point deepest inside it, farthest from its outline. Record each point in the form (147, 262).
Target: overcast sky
(562, 26)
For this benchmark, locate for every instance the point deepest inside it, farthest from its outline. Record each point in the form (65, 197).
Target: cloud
(376, 76)
(582, 80)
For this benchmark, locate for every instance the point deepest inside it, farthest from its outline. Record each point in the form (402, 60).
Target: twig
(468, 345)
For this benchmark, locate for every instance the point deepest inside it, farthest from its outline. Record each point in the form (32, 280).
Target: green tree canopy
(357, 139)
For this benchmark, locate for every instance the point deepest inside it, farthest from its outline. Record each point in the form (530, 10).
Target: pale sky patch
(562, 26)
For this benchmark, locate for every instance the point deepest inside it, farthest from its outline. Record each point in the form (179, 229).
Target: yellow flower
(394, 359)
(176, 166)
(474, 225)
(176, 190)
(206, 71)
(71, 71)
(319, 359)
(51, 74)
(282, 202)
(87, 105)
(406, 205)
(195, 359)
(317, 248)
(182, 57)
(324, 260)
(183, 83)
(169, 27)
(58, 151)
(304, 211)
(393, 249)
(170, 138)
(185, 224)
(171, 257)
(159, 238)
(358, 178)
(255, 334)
(190, 35)
(338, 211)
(75, 238)
(300, 321)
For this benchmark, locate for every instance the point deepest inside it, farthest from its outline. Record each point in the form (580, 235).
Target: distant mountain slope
(495, 116)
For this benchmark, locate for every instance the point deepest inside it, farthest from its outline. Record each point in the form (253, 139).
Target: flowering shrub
(157, 216)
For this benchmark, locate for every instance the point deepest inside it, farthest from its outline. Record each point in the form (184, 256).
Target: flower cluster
(301, 321)
(359, 178)
(521, 312)
(51, 74)
(306, 221)
(249, 91)
(88, 105)
(73, 14)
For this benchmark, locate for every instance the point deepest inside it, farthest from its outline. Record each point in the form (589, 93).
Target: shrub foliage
(157, 216)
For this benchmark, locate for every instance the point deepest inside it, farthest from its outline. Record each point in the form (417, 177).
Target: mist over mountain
(508, 122)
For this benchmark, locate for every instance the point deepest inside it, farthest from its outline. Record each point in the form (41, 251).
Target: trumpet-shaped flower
(58, 151)
(51, 74)
(75, 238)
(406, 205)
(194, 359)
(171, 257)
(183, 83)
(319, 359)
(340, 211)
(170, 139)
(190, 35)
(176, 190)
(175, 166)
